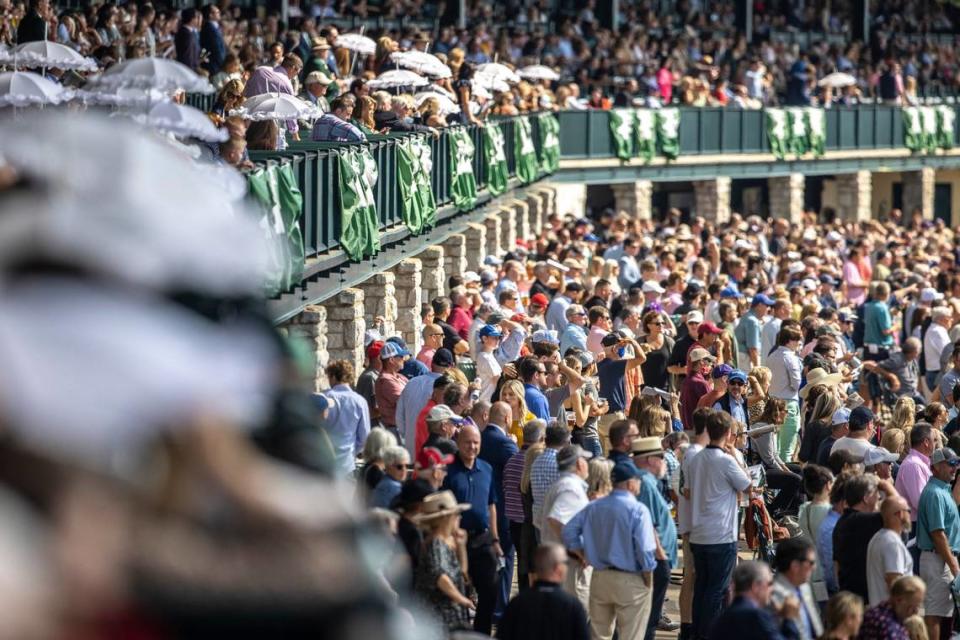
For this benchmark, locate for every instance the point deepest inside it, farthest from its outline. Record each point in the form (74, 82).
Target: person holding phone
(612, 372)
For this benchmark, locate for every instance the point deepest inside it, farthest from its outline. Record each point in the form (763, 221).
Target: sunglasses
(735, 383)
(401, 466)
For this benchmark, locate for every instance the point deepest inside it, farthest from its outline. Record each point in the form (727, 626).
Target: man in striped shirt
(518, 508)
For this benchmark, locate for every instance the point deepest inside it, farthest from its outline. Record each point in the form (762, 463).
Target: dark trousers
(713, 564)
(523, 555)
(788, 487)
(661, 580)
(395, 432)
(482, 567)
(506, 575)
(592, 444)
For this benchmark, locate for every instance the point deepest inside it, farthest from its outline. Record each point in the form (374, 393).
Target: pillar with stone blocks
(476, 235)
(434, 279)
(310, 325)
(918, 191)
(379, 301)
(521, 216)
(634, 198)
(551, 192)
(536, 204)
(407, 282)
(345, 327)
(712, 199)
(492, 223)
(454, 257)
(854, 192)
(508, 228)
(786, 196)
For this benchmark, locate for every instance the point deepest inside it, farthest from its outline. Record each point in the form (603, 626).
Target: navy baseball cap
(860, 418)
(762, 298)
(443, 358)
(623, 471)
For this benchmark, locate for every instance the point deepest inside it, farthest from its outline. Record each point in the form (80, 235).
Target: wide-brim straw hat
(438, 505)
(820, 376)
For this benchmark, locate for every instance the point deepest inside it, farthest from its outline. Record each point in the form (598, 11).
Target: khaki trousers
(603, 428)
(686, 587)
(619, 600)
(577, 582)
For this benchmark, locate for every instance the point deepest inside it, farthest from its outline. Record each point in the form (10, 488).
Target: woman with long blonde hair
(598, 478)
(904, 414)
(818, 426)
(512, 393)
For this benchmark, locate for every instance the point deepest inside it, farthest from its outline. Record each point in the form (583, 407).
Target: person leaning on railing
(335, 126)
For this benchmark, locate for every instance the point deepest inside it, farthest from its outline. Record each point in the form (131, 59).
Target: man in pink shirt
(461, 312)
(389, 385)
(600, 326)
(915, 468)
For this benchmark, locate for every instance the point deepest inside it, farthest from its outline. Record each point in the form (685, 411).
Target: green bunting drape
(360, 226)
(526, 152)
(275, 189)
(414, 162)
(495, 158)
(463, 183)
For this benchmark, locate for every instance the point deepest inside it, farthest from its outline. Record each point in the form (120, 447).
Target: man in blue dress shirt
(471, 481)
(616, 536)
(347, 422)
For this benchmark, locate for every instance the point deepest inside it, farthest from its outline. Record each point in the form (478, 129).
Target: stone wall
(918, 191)
(521, 219)
(712, 199)
(786, 196)
(492, 223)
(634, 198)
(310, 325)
(380, 301)
(409, 298)
(434, 279)
(854, 193)
(346, 327)
(454, 257)
(508, 228)
(476, 236)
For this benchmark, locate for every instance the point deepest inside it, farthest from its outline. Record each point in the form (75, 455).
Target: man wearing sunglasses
(734, 401)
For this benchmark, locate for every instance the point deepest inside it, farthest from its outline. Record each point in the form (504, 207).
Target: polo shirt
(747, 332)
(715, 478)
(474, 486)
(652, 497)
(912, 478)
(565, 498)
(612, 375)
(536, 402)
(937, 511)
(907, 372)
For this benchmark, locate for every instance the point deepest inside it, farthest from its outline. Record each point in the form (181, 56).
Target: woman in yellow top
(512, 393)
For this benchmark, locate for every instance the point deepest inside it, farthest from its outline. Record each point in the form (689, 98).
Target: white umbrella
(277, 106)
(499, 72)
(152, 73)
(837, 79)
(538, 72)
(396, 79)
(24, 89)
(435, 88)
(49, 55)
(183, 122)
(480, 92)
(129, 98)
(489, 82)
(125, 205)
(421, 62)
(357, 43)
(447, 105)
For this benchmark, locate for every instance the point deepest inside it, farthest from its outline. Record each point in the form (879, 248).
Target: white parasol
(356, 42)
(837, 79)
(447, 105)
(25, 89)
(489, 82)
(182, 121)
(498, 72)
(152, 73)
(277, 106)
(44, 54)
(538, 72)
(128, 98)
(396, 79)
(421, 62)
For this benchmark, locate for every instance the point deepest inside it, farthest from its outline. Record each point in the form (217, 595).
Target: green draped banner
(495, 158)
(621, 128)
(414, 163)
(526, 152)
(668, 132)
(360, 226)
(275, 190)
(549, 142)
(463, 184)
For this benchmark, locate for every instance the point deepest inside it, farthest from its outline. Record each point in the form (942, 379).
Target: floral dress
(437, 559)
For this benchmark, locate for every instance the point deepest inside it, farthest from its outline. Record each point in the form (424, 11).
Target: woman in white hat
(441, 578)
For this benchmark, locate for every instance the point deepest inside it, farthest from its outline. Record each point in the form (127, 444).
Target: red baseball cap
(709, 327)
(540, 300)
(429, 457)
(373, 351)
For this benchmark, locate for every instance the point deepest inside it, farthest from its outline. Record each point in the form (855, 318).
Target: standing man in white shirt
(785, 368)
(934, 342)
(768, 335)
(716, 479)
(565, 498)
(700, 440)
(488, 369)
(887, 556)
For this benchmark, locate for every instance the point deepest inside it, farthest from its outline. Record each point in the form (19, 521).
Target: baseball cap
(945, 454)
(492, 261)
(879, 455)
(721, 370)
(443, 358)
(809, 284)
(762, 298)
(700, 354)
(694, 316)
(738, 375)
(623, 471)
(540, 300)
(490, 331)
(586, 359)
(646, 446)
(374, 348)
(709, 327)
(442, 413)
(826, 278)
(860, 418)
(392, 350)
(840, 416)
(370, 336)
(796, 267)
(545, 335)
(398, 340)
(487, 276)
(495, 317)
(430, 457)
(570, 453)
(929, 294)
(651, 286)
(471, 276)
(610, 339)
(591, 237)
(729, 292)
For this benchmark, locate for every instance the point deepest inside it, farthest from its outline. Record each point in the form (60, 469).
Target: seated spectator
(315, 87)
(262, 135)
(234, 152)
(398, 118)
(430, 115)
(334, 126)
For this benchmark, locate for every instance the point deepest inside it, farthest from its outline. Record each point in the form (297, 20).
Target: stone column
(786, 196)
(407, 282)
(434, 280)
(454, 257)
(918, 190)
(634, 198)
(345, 327)
(310, 325)
(854, 192)
(508, 228)
(379, 296)
(521, 216)
(476, 235)
(536, 204)
(712, 199)
(492, 223)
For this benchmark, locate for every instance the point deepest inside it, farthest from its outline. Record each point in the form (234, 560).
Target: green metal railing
(712, 131)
